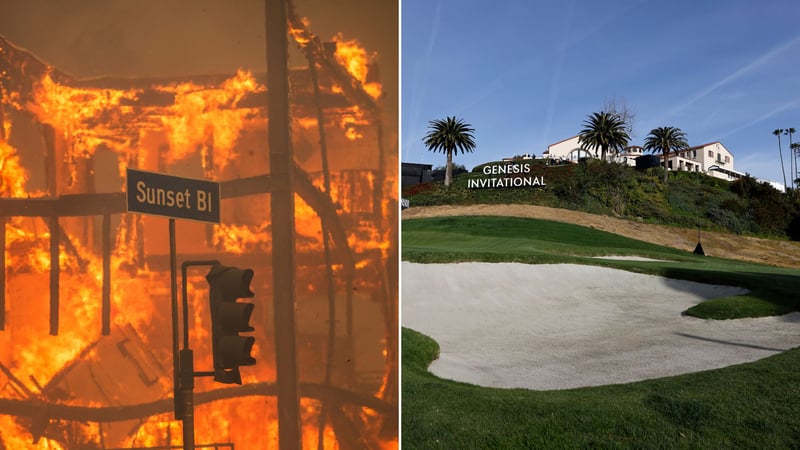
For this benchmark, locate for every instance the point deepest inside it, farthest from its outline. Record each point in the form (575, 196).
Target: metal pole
(176, 367)
(182, 360)
(106, 274)
(282, 212)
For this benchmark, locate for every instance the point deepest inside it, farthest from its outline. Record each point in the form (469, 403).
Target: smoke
(91, 38)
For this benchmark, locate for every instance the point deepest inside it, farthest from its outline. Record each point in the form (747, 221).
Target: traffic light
(228, 319)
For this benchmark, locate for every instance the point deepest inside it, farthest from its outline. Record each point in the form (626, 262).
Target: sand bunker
(563, 326)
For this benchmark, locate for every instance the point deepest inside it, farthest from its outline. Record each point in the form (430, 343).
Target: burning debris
(84, 309)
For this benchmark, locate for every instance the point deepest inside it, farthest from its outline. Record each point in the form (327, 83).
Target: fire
(349, 54)
(351, 120)
(12, 175)
(208, 118)
(202, 120)
(239, 239)
(202, 117)
(301, 34)
(72, 108)
(357, 61)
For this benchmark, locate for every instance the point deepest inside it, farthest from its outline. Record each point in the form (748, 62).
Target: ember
(86, 349)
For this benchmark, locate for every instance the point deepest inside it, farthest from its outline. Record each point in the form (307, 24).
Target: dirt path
(723, 245)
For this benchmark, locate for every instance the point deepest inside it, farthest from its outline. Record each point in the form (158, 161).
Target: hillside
(719, 244)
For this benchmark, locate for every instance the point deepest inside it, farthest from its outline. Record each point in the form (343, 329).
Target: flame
(207, 117)
(239, 239)
(354, 58)
(301, 35)
(13, 176)
(75, 110)
(351, 119)
(307, 123)
(203, 119)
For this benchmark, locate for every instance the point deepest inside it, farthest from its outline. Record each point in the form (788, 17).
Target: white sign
(515, 175)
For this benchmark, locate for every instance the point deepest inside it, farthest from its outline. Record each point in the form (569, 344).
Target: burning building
(86, 355)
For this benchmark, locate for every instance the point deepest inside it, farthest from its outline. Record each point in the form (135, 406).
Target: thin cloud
(758, 62)
(556, 82)
(786, 106)
(420, 84)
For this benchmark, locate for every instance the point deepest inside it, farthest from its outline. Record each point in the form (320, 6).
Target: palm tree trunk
(666, 164)
(780, 153)
(791, 158)
(448, 170)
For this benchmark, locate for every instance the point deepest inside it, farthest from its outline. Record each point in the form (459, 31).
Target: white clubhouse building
(712, 159)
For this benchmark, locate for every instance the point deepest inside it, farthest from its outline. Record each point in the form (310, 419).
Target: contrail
(420, 85)
(758, 62)
(556, 81)
(763, 117)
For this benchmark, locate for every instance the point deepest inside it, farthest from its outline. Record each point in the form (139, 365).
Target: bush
(690, 199)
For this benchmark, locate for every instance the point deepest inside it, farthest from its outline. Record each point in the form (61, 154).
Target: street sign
(176, 197)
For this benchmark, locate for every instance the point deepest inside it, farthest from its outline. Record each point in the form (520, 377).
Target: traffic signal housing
(229, 318)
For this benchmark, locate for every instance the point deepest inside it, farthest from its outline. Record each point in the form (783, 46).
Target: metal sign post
(186, 198)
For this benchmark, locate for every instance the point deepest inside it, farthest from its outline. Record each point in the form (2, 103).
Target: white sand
(563, 326)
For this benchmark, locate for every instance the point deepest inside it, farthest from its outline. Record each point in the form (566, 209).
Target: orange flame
(204, 116)
(357, 61)
(12, 175)
(353, 118)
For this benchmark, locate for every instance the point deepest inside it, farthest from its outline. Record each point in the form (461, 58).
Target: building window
(727, 159)
(711, 153)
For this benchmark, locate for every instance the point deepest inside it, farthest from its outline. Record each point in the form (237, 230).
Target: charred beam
(20, 71)
(313, 46)
(3, 273)
(65, 205)
(49, 134)
(106, 330)
(55, 271)
(56, 411)
(259, 184)
(281, 163)
(115, 203)
(346, 433)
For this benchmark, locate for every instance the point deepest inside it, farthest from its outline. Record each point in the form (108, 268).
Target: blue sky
(526, 74)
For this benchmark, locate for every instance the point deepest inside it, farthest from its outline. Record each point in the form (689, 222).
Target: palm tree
(790, 132)
(605, 131)
(780, 153)
(665, 140)
(449, 135)
(795, 146)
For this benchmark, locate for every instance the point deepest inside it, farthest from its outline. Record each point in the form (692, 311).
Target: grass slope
(746, 406)
(773, 290)
(755, 405)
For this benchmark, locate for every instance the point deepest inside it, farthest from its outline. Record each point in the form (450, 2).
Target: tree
(778, 133)
(604, 131)
(792, 168)
(448, 136)
(795, 146)
(665, 140)
(625, 112)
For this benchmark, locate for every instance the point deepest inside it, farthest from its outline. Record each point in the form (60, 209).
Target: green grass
(755, 405)
(773, 290)
(689, 199)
